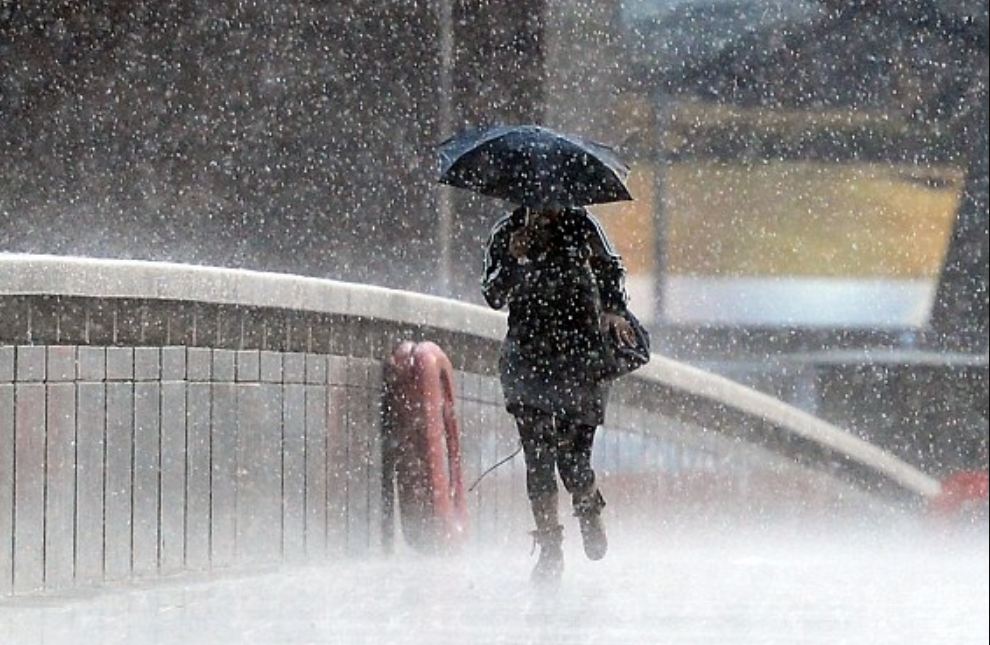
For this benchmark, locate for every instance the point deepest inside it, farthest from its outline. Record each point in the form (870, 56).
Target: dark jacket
(554, 347)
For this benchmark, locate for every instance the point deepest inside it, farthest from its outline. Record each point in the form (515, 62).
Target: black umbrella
(533, 166)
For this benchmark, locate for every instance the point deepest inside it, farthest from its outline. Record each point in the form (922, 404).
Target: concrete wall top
(46, 275)
(49, 275)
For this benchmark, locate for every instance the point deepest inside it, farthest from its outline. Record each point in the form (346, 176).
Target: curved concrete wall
(80, 277)
(120, 462)
(157, 417)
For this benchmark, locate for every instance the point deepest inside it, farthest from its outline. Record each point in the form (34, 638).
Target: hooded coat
(552, 356)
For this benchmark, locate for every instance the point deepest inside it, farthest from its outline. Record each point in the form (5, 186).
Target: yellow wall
(810, 219)
(630, 224)
(790, 218)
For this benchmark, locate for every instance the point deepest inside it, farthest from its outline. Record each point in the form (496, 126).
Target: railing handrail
(48, 275)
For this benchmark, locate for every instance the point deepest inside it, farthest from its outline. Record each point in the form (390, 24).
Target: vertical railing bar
(13, 474)
(133, 450)
(103, 475)
(346, 419)
(159, 532)
(75, 466)
(305, 458)
(44, 480)
(185, 458)
(368, 442)
(281, 449)
(327, 464)
(210, 389)
(237, 432)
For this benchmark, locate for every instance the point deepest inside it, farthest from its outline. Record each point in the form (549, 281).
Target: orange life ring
(963, 495)
(423, 442)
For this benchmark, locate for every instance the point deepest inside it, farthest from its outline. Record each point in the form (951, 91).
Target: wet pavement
(745, 586)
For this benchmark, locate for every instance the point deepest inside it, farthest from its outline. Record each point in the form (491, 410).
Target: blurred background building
(810, 176)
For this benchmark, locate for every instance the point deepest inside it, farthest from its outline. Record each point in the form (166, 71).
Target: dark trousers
(552, 442)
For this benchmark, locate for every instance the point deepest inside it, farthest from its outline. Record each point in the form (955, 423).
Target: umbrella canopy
(533, 166)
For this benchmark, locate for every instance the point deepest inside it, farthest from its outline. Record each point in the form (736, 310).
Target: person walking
(563, 283)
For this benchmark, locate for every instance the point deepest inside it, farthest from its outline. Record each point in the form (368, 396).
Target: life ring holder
(421, 454)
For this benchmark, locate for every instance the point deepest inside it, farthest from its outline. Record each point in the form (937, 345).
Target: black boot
(588, 509)
(549, 535)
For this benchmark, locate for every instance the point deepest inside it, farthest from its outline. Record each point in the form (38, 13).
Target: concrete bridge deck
(740, 586)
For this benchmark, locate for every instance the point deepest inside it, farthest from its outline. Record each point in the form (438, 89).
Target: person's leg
(574, 444)
(540, 451)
